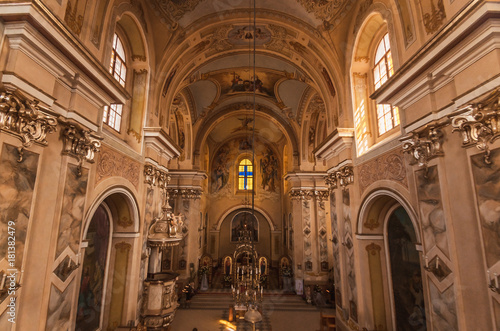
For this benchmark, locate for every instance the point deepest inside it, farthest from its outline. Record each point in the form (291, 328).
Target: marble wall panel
(431, 210)
(323, 246)
(349, 257)
(444, 314)
(336, 243)
(487, 185)
(17, 182)
(59, 308)
(306, 216)
(70, 225)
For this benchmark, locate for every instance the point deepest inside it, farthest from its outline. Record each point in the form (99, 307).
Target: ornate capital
(81, 144)
(479, 123)
(343, 177)
(25, 120)
(424, 145)
(154, 176)
(299, 194)
(185, 193)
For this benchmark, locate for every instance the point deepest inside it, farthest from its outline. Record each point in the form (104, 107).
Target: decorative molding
(390, 166)
(308, 194)
(123, 247)
(330, 12)
(185, 193)
(340, 140)
(80, 143)
(112, 163)
(125, 222)
(479, 123)
(343, 177)
(425, 144)
(154, 176)
(174, 10)
(26, 120)
(371, 224)
(373, 249)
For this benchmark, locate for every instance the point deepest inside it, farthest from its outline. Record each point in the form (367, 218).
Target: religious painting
(75, 11)
(182, 264)
(405, 272)
(94, 264)
(324, 266)
(228, 263)
(263, 266)
(245, 144)
(244, 224)
(309, 266)
(241, 81)
(220, 168)
(243, 34)
(269, 169)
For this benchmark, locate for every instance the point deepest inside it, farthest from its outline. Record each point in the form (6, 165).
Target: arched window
(113, 115)
(387, 115)
(383, 69)
(117, 66)
(245, 175)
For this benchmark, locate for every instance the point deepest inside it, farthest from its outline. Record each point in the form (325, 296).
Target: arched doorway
(406, 276)
(106, 297)
(388, 228)
(90, 297)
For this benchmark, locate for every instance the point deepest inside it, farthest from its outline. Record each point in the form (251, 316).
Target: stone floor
(281, 312)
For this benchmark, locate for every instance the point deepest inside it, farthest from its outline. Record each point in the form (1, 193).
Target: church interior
(341, 153)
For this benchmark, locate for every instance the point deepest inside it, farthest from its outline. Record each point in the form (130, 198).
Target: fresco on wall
(75, 12)
(487, 184)
(406, 273)
(93, 266)
(244, 222)
(72, 210)
(431, 210)
(335, 243)
(349, 252)
(220, 169)
(241, 81)
(266, 170)
(269, 171)
(242, 35)
(17, 181)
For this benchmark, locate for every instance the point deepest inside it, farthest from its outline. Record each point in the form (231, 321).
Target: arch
(260, 210)
(379, 196)
(130, 200)
(209, 123)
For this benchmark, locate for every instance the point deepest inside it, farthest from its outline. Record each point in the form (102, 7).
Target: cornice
(159, 140)
(339, 140)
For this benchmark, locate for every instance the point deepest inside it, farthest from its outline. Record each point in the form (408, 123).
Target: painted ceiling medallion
(326, 10)
(175, 8)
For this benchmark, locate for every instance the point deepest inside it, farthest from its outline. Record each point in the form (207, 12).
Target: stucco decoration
(327, 10)
(75, 11)
(112, 163)
(174, 9)
(433, 14)
(390, 166)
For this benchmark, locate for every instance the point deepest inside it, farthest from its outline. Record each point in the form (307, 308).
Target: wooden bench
(328, 321)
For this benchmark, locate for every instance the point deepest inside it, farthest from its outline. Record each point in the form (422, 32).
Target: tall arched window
(113, 115)
(117, 66)
(387, 115)
(245, 175)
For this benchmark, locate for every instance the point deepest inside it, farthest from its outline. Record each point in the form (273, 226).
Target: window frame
(106, 116)
(378, 38)
(113, 55)
(238, 176)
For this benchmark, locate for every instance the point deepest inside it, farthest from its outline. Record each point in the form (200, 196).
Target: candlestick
(489, 277)
(426, 261)
(69, 262)
(3, 281)
(21, 277)
(496, 279)
(437, 261)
